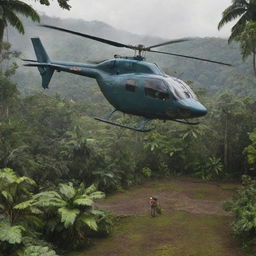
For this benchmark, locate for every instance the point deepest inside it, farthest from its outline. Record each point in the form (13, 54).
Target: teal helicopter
(130, 84)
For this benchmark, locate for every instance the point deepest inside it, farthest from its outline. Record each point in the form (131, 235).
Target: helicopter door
(156, 89)
(156, 96)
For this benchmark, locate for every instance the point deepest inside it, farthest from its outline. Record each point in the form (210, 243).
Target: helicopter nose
(195, 108)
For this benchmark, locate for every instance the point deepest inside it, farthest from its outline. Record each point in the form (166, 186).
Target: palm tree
(248, 43)
(245, 9)
(8, 14)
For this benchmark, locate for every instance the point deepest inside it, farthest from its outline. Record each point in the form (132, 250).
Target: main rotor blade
(169, 42)
(29, 60)
(191, 57)
(99, 39)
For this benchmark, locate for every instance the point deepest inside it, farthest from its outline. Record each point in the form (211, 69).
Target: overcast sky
(163, 18)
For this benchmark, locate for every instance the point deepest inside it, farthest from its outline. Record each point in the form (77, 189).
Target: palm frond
(240, 2)
(24, 9)
(14, 20)
(238, 28)
(64, 4)
(231, 13)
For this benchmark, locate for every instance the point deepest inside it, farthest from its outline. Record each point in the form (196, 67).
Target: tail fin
(42, 57)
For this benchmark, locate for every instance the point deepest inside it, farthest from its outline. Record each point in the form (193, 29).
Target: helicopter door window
(156, 89)
(131, 85)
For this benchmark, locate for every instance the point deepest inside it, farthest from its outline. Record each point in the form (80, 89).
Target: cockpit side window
(130, 85)
(156, 89)
(180, 89)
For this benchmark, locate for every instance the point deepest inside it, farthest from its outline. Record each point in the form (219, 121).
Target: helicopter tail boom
(46, 71)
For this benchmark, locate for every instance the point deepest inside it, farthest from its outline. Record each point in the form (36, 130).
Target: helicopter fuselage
(139, 88)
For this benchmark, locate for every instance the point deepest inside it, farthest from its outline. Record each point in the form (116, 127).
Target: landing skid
(185, 122)
(139, 128)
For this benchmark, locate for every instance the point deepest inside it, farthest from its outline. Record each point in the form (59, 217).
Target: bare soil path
(193, 222)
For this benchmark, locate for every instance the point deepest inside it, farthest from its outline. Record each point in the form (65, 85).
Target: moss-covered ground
(192, 223)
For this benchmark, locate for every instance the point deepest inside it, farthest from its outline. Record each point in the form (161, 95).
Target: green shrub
(243, 207)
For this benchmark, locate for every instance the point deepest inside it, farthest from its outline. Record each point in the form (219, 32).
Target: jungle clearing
(193, 222)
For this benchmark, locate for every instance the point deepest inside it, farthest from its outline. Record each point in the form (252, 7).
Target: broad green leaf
(49, 199)
(25, 179)
(35, 210)
(67, 190)
(24, 205)
(68, 216)
(11, 234)
(90, 189)
(98, 212)
(7, 176)
(97, 195)
(90, 222)
(37, 251)
(7, 196)
(83, 200)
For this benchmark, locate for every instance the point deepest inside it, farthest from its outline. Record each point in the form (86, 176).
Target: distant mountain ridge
(63, 46)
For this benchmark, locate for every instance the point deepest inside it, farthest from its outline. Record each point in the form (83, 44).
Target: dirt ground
(190, 195)
(193, 222)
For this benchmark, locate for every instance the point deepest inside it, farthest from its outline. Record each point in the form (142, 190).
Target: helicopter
(129, 83)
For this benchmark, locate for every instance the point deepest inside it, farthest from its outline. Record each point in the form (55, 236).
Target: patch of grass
(176, 234)
(198, 195)
(232, 187)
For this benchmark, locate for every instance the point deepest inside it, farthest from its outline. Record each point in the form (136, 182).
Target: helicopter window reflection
(180, 89)
(156, 89)
(130, 85)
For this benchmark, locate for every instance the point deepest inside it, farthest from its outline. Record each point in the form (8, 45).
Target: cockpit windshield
(180, 89)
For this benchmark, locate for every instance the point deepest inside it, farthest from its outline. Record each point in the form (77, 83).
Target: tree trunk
(254, 63)
(2, 26)
(226, 145)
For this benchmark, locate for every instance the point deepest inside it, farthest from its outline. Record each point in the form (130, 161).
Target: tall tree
(10, 8)
(248, 42)
(8, 14)
(245, 10)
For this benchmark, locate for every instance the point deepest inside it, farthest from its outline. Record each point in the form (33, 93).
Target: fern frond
(68, 216)
(11, 234)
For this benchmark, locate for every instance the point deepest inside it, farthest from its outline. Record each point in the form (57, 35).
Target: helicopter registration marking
(75, 69)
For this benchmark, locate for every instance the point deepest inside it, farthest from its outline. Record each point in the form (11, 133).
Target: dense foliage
(244, 211)
(244, 30)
